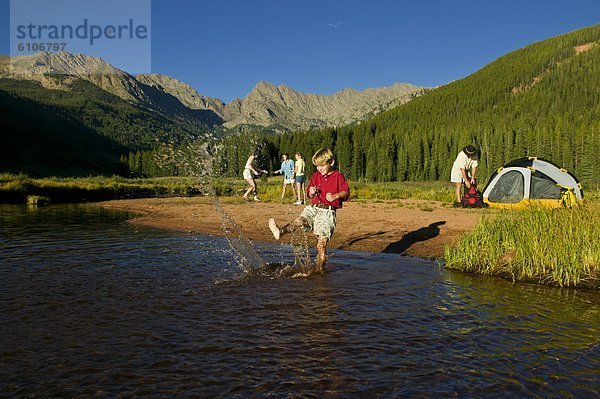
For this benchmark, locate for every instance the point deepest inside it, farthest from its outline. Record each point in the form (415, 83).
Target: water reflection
(548, 333)
(91, 305)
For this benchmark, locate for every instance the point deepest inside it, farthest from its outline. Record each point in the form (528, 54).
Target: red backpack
(471, 197)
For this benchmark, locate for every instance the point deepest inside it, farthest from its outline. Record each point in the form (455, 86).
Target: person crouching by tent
(287, 170)
(464, 169)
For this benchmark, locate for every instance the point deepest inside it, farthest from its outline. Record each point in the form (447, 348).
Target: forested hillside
(37, 140)
(81, 131)
(542, 100)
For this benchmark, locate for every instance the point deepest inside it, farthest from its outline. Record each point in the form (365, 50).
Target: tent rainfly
(532, 181)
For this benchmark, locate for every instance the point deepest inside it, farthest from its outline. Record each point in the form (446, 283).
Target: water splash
(194, 159)
(245, 253)
(299, 243)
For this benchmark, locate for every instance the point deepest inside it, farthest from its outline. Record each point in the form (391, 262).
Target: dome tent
(531, 181)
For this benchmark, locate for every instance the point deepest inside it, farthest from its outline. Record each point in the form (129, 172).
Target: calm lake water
(92, 306)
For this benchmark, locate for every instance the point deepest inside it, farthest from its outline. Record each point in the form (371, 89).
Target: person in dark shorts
(300, 167)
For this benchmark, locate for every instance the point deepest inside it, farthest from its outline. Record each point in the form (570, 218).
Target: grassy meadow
(18, 188)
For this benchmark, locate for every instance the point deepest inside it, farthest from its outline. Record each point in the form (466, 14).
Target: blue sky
(223, 48)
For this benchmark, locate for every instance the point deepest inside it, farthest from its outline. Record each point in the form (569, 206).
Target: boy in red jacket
(327, 190)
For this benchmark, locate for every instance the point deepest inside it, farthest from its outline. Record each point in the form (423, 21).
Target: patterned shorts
(321, 221)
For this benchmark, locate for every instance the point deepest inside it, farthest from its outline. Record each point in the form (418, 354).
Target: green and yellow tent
(532, 181)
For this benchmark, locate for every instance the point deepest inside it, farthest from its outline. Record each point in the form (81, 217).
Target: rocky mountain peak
(62, 62)
(265, 105)
(270, 105)
(263, 85)
(185, 93)
(43, 66)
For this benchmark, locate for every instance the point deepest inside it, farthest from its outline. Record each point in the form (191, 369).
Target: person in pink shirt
(327, 190)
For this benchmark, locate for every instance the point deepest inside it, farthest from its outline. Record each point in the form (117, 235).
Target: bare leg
(298, 188)
(321, 254)
(283, 190)
(277, 231)
(251, 188)
(458, 191)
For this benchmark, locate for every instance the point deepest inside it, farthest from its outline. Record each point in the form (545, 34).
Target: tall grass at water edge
(551, 246)
(17, 188)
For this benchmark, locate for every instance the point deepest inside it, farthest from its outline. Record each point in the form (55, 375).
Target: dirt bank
(412, 227)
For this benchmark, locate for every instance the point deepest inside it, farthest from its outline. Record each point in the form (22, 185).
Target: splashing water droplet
(245, 252)
(194, 159)
(299, 243)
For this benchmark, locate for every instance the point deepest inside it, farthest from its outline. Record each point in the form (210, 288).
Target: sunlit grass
(432, 191)
(269, 190)
(16, 188)
(552, 246)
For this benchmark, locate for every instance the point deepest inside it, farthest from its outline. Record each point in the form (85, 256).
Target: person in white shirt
(464, 169)
(248, 171)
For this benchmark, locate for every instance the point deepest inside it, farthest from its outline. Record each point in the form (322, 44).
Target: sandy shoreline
(411, 227)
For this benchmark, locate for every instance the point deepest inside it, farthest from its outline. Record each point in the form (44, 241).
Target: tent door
(509, 188)
(543, 186)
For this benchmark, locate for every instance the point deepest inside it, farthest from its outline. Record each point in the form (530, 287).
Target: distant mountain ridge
(266, 105)
(183, 92)
(41, 67)
(57, 71)
(269, 105)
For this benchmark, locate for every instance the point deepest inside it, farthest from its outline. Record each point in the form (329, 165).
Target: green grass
(592, 194)
(270, 190)
(432, 191)
(557, 247)
(16, 188)
(36, 200)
